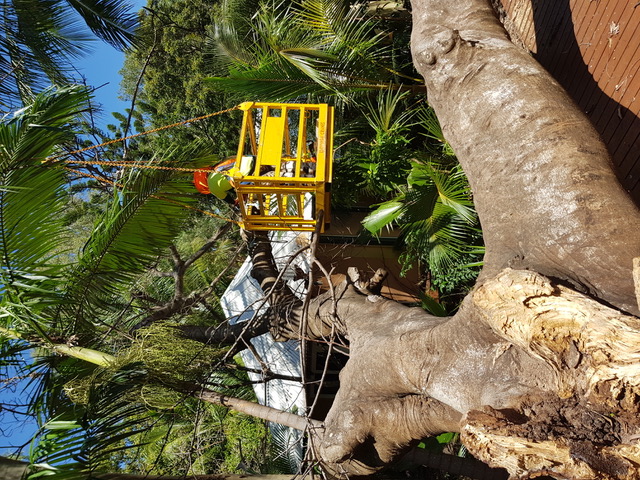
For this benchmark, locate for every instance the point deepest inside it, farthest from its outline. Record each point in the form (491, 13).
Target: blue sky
(14, 430)
(101, 72)
(100, 68)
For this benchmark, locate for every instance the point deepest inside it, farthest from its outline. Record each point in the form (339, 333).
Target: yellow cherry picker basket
(283, 168)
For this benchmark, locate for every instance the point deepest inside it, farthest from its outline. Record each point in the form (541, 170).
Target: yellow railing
(283, 168)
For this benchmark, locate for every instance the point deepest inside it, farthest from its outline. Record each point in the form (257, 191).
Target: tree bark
(225, 333)
(539, 368)
(263, 412)
(12, 469)
(542, 181)
(227, 476)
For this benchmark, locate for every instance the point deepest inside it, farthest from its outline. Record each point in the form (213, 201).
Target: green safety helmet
(219, 184)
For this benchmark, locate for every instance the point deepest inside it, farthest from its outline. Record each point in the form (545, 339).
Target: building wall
(337, 258)
(345, 245)
(241, 302)
(592, 47)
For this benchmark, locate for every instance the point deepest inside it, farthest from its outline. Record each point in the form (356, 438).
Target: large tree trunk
(549, 202)
(539, 370)
(541, 178)
(533, 374)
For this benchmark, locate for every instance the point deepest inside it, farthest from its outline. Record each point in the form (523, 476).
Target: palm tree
(313, 47)
(95, 385)
(439, 226)
(138, 224)
(39, 38)
(434, 211)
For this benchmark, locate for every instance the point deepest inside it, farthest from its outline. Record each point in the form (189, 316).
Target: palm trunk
(87, 354)
(259, 411)
(226, 333)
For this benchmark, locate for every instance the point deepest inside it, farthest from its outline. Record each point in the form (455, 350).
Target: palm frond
(226, 50)
(80, 439)
(32, 133)
(359, 41)
(311, 62)
(39, 38)
(274, 84)
(435, 214)
(455, 193)
(143, 219)
(276, 27)
(318, 47)
(266, 84)
(50, 32)
(452, 187)
(110, 20)
(35, 37)
(342, 27)
(389, 114)
(442, 239)
(234, 12)
(428, 119)
(32, 195)
(384, 215)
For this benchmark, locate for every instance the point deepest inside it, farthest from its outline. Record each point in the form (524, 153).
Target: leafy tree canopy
(39, 41)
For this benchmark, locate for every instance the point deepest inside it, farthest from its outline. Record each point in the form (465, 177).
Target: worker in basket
(218, 180)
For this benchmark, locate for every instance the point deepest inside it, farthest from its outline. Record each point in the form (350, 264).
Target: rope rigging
(122, 139)
(136, 164)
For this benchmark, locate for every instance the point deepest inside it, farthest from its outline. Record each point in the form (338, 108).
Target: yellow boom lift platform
(283, 167)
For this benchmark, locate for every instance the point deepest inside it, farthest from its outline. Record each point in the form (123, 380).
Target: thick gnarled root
(586, 425)
(594, 349)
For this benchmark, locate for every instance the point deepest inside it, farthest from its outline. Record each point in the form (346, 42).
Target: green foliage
(140, 223)
(32, 202)
(132, 416)
(311, 47)
(375, 167)
(432, 130)
(169, 356)
(437, 213)
(433, 306)
(434, 210)
(437, 443)
(73, 444)
(458, 277)
(38, 40)
(173, 64)
(55, 293)
(198, 439)
(438, 224)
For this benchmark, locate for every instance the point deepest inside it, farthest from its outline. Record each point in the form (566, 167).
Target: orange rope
(133, 164)
(116, 184)
(184, 122)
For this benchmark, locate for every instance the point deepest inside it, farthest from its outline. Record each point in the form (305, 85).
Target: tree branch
(180, 304)
(208, 245)
(225, 333)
